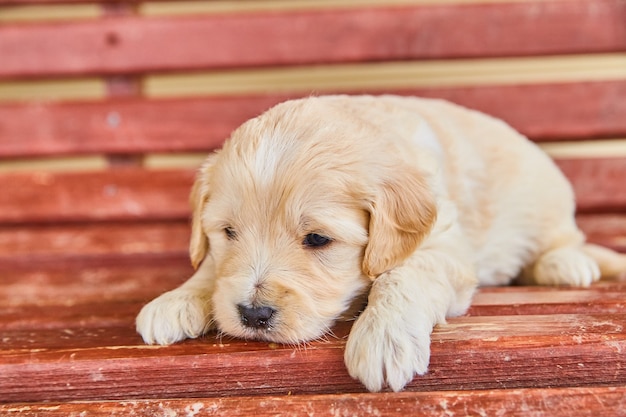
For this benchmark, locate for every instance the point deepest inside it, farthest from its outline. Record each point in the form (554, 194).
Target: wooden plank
(201, 124)
(120, 194)
(101, 244)
(606, 229)
(124, 126)
(552, 402)
(81, 292)
(468, 352)
(136, 45)
(604, 297)
(137, 194)
(84, 263)
(598, 183)
(98, 297)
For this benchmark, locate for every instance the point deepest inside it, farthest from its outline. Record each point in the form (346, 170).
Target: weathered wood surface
(68, 334)
(138, 194)
(552, 402)
(143, 125)
(119, 194)
(81, 252)
(135, 45)
(487, 352)
(50, 248)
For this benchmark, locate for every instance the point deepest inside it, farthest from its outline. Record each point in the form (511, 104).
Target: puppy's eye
(314, 240)
(230, 233)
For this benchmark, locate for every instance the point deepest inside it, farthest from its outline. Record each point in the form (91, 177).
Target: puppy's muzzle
(256, 317)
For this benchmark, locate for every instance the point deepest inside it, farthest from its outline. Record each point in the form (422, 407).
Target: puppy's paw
(387, 349)
(566, 266)
(174, 316)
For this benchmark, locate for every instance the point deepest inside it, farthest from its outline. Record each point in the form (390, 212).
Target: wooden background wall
(526, 74)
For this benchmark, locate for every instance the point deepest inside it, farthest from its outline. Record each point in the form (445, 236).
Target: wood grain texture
(48, 250)
(607, 229)
(55, 246)
(120, 194)
(552, 402)
(136, 194)
(111, 296)
(202, 124)
(69, 288)
(598, 183)
(136, 45)
(467, 353)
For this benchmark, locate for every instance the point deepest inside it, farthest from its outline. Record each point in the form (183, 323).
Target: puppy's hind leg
(567, 265)
(564, 261)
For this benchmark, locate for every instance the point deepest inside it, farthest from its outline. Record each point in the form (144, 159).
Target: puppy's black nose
(256, 317)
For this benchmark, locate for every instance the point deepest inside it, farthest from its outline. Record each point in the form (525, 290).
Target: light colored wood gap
(172, 8)
(610, 148)
(61, 89)
(49, 12)
(353, 77)
(589, 149)
(391, 75)
(191, 160)
(57, 164)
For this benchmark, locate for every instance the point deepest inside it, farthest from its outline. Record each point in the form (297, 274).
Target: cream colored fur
(421, 199)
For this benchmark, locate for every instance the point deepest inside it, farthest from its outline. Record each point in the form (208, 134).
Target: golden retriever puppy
(412, 203)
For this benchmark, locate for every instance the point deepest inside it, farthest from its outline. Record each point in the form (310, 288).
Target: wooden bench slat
(119, 194)
(137, 194)
(598, 183)
(518, 352)
(50, 244)
(106, 243)
(603, 298)
(116, 275)
(552, 402)
(605, 229)
(110, 299)
(75, 288)
(136, 45)
(81, 252)
(141, 125)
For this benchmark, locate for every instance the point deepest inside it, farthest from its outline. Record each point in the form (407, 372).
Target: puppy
(412, 203)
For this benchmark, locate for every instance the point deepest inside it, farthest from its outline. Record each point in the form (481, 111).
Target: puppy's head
(299, 211)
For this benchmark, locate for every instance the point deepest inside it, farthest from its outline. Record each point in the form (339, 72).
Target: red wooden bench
(104, 118)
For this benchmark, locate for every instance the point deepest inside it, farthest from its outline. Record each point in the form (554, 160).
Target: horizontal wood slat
(65, 287)
(89, 295)
(518, 352)
(56, 262)
(606, 229)
(201, 124)
(102, 244)
(136, 45)
(553, 402)
(598, 183)
(137, 194)
(120, 194)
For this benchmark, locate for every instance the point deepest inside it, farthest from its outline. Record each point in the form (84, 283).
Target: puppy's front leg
(185, 312)
(390, 341)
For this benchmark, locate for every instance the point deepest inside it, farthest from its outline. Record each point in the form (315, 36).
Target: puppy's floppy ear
(199, 244)
(402, 213)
